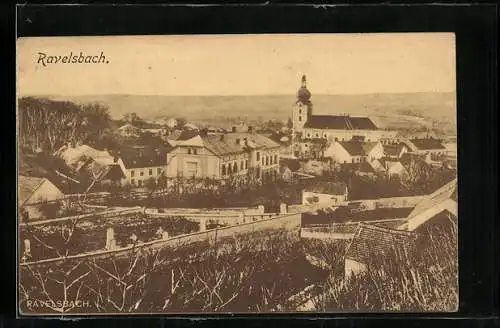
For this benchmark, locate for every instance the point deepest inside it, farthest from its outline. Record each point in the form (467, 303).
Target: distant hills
(386, 110)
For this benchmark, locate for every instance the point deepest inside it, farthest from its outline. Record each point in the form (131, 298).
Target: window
(267, 160)
(132, 182)
(150, 171)
(336, 139)
(242, 165)
(262, 160)
(308, 135)
(246, 164)
(158, 171)
(223, 169)
(353, 160)
(275, 159)
(132, 173)
(139, 182)
(300, 111)
(300, 118)
(258, 156)
(142, 173)
(195, 151)
(189, 151)
(317, 135)
(235, 167)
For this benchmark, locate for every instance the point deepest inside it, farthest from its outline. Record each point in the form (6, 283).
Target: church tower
(302, 109)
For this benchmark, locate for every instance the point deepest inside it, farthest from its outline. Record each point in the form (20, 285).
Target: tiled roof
(427, 143)
(224, 144)
(393, 149)
(370, 242)
(27, 186)
(143, 158)
(327, 187)
(357, 148)
(339, 122)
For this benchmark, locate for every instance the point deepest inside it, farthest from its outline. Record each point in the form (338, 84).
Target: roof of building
(27, 186)
(54, 170)
(393, 149)
(181, 135)
(73, 155)
(370, 242)
(427, 143)
(448, 191)
(328, 187)
(232, 143)
(143, 159)
(340, 122)
(357, 148)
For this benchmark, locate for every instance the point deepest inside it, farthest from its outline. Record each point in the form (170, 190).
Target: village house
(139, 166)
(325, 192)
(354, 151)
(224, 155)
(330, 127)
(394, 150)
(431, 148)
(33, 192)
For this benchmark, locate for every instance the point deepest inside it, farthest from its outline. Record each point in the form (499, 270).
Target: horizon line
(226, 95)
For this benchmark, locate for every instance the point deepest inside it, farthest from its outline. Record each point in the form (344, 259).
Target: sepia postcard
(266, 173)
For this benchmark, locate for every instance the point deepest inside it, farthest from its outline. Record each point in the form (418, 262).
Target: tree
(98, 118)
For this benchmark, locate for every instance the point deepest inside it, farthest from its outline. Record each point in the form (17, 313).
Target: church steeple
(303, 95)
(303, 106)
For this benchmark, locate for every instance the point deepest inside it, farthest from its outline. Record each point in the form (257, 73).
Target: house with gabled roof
(354, 151)
(223, 155)
(33, 191)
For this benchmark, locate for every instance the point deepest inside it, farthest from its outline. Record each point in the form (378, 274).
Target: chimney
(233, 129)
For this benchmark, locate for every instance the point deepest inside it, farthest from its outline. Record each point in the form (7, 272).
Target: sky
(240, 64)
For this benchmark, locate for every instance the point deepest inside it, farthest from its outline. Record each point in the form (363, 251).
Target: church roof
(340, 122)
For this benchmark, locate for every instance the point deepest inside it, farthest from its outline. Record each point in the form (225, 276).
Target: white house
(354, 151)
(34, 191)
(142, 165)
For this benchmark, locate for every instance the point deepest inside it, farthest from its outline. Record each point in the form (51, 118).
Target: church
(329, 127)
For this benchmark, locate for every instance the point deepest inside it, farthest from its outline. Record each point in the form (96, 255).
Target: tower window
(300, 111)
(300, 118)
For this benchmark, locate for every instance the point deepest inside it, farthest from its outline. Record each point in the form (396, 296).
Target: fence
(101, 214)
(288, 222)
